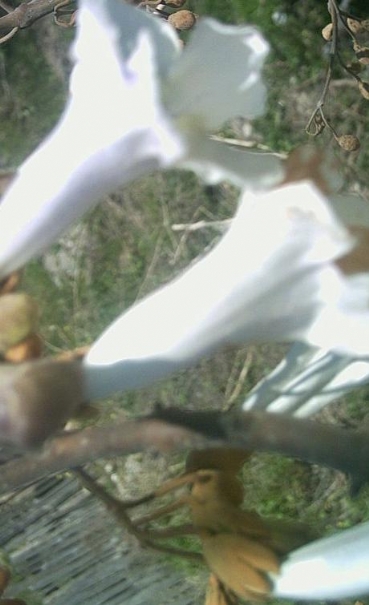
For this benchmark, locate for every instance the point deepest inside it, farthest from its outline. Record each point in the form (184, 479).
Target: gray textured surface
(67, 550)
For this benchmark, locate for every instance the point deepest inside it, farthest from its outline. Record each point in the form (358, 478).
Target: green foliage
(32, 97)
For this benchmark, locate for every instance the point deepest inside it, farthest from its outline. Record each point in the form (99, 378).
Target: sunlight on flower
(306, 380)
(137, 104)
(268, 279)
(331, 568)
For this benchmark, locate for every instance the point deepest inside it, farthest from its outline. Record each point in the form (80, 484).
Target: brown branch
(26, 14)
(342, 449)
(170, 430)
(72, 449)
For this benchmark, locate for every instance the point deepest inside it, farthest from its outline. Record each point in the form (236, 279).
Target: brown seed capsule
(327, 32)
(364, 89)
(4, 578)
(354, 25)
(29, 348)
(362, 53)
(348, 142)
(182, 20)
(175, 3)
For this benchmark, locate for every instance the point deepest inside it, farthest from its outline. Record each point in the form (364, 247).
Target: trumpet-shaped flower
(331, 568)
(137, 103)
(270, 278)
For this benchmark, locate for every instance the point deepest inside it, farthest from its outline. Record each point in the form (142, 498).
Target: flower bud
(182, 20)
(327, 32)
(18, 318)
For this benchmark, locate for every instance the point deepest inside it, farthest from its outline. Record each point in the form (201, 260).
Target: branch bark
(341, 449)
(170, 430)
(76, 448)
(26, 14)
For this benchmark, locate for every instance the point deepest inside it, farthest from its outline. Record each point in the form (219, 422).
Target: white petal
(260, 283)
(112, 132)
(353, 376)
(290, 388)
(215, 161)
(332, 568)
(343, 321)
(218, 76)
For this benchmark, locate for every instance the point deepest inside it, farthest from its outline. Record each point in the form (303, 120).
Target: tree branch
(26, 14)
(76, 448)
(342, 449)
(170, 430)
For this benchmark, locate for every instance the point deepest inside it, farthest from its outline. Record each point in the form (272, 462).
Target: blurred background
(60, 542)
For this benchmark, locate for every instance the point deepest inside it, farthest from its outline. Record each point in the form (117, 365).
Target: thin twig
(218, 225)
(147, 538)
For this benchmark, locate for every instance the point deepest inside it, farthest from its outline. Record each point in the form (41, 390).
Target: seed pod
(182, 20)
(348, 142)
(355, 25)
(175, 3)
(364, 89)
(18, 318)
(327, 32)
(362, 53)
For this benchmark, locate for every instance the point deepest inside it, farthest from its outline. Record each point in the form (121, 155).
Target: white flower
(137, 104)
(306, 380)
(270, 278)
(331, 568)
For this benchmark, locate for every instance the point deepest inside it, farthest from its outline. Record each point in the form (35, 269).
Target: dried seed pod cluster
(342, 24)
(172, 11)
